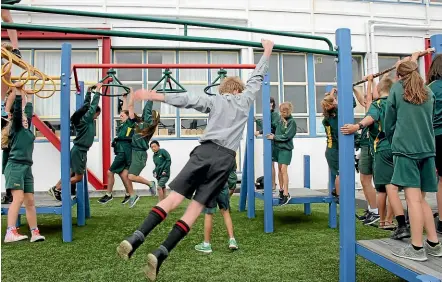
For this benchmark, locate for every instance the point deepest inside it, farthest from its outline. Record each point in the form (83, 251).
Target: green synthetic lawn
(302, 248)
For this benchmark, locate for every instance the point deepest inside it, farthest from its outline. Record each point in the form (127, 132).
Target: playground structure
(349, 248)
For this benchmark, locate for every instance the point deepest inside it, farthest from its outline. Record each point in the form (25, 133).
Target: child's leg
(12, 33)
(110, 182)
(280, 178)
(415, 211)
(124, 175)
(208, 226)
(285, 176)
(382, 205)
(369, 191)
(439, 204)
(31, 214)
(337, 185)
(428, 221)
(140, 179)
(390, 214)
(74, 179)
(14, 207)
(273, 176)
(228, 222)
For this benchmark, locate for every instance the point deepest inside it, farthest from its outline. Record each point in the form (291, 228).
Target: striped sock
(155, 217)
(178, 232)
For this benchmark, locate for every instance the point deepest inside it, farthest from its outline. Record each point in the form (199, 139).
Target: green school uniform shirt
(85, 130)
(378, 141)
(409, 127)
(162, 162)
(124, 135)
(436, 87)
(21, 140)
(274, 119)
(139, 142)
(285, 133)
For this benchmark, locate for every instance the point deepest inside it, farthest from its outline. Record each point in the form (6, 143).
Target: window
(274, 82)
(193, 126)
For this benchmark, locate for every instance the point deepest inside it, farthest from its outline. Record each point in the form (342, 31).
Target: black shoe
(401, 233)
(371, 218)
(281, 194)
(105, 199)
(285, 200)
(126, 248)
(126, 199)
(6, 200)
(55, 193)
(74, 189)
(334, 193)
(154, 261)
(16, 52)
(439, 227)
(364, 216)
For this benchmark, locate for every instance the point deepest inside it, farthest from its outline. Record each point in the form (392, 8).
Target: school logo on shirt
(17, 185)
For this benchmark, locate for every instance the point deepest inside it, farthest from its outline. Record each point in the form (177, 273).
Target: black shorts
(439, 154)
(205, 174)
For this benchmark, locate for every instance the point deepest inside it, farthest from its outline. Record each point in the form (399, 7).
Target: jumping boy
(162, 161)
(210, 163)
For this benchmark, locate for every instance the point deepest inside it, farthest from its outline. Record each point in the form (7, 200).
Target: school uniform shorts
(19, 177)
(283, 156)
(366, 161)
(138, 162)
(78, 160)
(332, 157)
(383, 169)
(415, 173)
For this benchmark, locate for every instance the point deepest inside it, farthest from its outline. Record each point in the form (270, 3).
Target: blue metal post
(65, 93)
(250, 156)
(267, 160)
(86, 197)
(332, 207)
(436, 43)
(81, 217)
(307, 207)
(347, 231)
(243, 191)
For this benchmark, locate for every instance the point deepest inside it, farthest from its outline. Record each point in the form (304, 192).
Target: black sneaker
(105, 199)
(285, 200)
(16, 52)
(55, 193)
(154, 261)
(334, 193)
(281, 194)
(371, 218)
(364, 216)
(126, 248)
(401, 233)
(6, 200)
(126, 199)
(439, 227)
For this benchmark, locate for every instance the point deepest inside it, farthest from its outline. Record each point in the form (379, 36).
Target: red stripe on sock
(159, 212)
(184, 227)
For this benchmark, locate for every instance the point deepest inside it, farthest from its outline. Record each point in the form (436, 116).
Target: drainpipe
(427, 11)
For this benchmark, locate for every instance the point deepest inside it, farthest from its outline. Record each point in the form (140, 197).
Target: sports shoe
(232, 244)
(281, 194)
(133, 200)
(55, 193)
(334, 193)
(387, 226)
(153, 189)
(105, 199)
(371, 218)
(12, 235)
(16, 52)
(6, 200)
(154, 261)
(128, 246)
(126, 199)
(401, 233)
(439, 227)
(36, 237)
(203, 248)
(435, 251)
(285, 199)
(409, 252)
(364, 216)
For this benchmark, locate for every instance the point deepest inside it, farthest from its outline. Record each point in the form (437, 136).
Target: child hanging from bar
(83, 122)
(123, 154)
(383, 158)
(434, 81)
(210, 163)
(12, 33)
(18, 170)
(274, 119)
(409, 128)
(162, 161)
(6, 117)
(144, 130)
(223, 202)
(283, 147)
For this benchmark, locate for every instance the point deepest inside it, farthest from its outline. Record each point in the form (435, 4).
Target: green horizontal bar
(168, 37)
(163, 20)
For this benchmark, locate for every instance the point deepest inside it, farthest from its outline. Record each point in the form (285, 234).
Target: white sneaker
(36, 237)
(13, 236)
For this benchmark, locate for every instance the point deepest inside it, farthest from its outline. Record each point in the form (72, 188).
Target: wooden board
(383, 247)
(300, 193)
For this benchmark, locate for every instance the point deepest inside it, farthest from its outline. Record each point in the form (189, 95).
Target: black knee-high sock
(401, 220)
(178, 232)
(155, 217)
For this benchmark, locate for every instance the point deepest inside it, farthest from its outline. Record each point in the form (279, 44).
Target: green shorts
(274, 153)
(78, 160)
(162, 181)
(223, 201)
(5, 157)
(383, 170)
(415, 173)
(19, 177)
(233, 179)
(121, 162)
(283, 156)
(366, 161)
(139, 159)
(332, 157)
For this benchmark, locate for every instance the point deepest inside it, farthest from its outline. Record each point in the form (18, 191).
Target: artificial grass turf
(302, 248)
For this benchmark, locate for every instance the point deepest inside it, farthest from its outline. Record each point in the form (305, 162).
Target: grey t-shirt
(228, 113)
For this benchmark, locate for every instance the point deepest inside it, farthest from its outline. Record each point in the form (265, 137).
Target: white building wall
(319, 17)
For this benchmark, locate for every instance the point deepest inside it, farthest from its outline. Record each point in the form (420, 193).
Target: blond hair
(384, 85)
(328, 106)
(286, 105)
(414, 89)
(230, 84)
(5, 135)
(7, 46)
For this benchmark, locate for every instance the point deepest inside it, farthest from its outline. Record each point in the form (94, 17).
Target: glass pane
(129, 57)
(293, 68)
(297, 95)
(359, 108)
(357, 67)
(118, 102)
(193, 126)
(193, 90)
(224, 58)
(273, 93)
(387, 62)
(154, 57)
(273, 68)
(85, 57)
(193, 58)
(163, 108)
(166, 127)
(302, 125)
(320, 93)
(325, 69)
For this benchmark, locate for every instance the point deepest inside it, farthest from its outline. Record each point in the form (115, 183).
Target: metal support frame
(81, 208)
(267, 160)
(307, 207)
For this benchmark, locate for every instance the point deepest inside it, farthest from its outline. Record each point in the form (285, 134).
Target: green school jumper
(162, 161)
(283, 140)
(274, 119)
(122, 146)
(85, 135)
(436, 87)
(18, 171)
(409, 128)
(140, 144)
